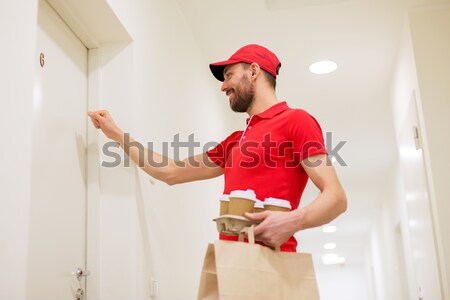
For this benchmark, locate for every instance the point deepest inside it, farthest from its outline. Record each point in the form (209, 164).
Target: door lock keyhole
(79, 294)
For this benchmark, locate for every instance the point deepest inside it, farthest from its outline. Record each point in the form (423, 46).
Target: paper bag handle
(250, 231)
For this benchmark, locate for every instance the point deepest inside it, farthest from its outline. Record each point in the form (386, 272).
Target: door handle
(80, 273)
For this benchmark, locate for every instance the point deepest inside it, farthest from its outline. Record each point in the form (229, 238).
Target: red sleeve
(306, 135)
(220, 153)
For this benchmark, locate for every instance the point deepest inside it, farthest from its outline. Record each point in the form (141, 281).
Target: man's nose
(224, 86)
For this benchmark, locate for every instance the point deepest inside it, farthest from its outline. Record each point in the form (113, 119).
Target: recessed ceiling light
(329, 246)
(329, 228)
(323, 67)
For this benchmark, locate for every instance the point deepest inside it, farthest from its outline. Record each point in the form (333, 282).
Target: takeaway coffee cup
(277, 204)
(241, 202)
(259, 206)
(224, 201)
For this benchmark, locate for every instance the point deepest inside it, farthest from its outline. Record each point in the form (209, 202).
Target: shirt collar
(271, 111)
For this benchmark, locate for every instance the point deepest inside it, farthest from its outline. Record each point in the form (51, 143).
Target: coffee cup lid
(225, 197)
(277, 202)
(248, 194)
(259, 204)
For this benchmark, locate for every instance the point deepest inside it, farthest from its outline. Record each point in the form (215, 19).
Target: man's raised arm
(163, 168)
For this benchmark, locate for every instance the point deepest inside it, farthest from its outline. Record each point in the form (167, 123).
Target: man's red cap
(253, 53)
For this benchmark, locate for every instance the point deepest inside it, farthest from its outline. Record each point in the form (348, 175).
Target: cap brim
(218, 67)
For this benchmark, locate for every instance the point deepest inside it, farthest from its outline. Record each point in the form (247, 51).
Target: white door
(57, 240)
(427, 285)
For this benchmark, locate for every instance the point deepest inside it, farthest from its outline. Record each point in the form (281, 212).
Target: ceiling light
(329, 228)
(329, 246)
(332, 259)
(323, 67)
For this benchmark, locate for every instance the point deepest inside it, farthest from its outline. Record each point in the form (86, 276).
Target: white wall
(430, 29)
(17, 29)
(422, 66)
(404, 82)
(338, 287)
(383, 268)
(383, 246)
(156, 87)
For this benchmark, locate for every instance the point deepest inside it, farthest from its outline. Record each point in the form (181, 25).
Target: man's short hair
(270, 78)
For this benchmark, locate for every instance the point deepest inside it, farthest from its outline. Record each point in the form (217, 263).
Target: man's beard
(243, 96)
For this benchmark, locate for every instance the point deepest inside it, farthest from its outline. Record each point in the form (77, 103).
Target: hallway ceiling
(352, 103)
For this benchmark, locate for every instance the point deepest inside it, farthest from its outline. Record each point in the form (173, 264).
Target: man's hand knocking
(103, 120)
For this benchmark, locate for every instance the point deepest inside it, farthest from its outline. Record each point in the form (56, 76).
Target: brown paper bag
(248, 271)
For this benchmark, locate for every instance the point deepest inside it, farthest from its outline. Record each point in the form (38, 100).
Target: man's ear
(255, 69)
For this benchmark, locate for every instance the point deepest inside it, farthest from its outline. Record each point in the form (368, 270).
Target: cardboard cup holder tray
(231, 224)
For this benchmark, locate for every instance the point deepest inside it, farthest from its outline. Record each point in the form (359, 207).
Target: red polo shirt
(266, 156)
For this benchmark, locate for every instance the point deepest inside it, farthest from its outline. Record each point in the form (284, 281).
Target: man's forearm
(156, 165)
(324, 209)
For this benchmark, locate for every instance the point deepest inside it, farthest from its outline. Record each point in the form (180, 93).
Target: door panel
(58, 175)
(427, 285)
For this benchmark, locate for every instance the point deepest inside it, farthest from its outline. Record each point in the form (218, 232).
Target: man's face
(238, 87)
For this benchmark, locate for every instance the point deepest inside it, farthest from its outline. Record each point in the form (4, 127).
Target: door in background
(418, 207)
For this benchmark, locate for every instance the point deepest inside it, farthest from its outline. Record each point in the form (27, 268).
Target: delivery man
(275, 155)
